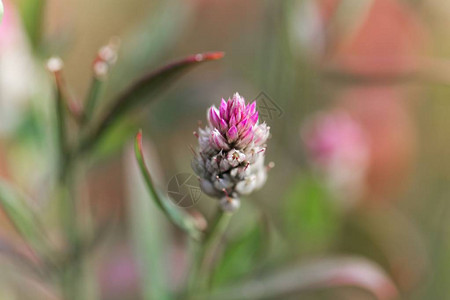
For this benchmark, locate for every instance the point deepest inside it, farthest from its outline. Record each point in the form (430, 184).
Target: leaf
(113, 142)
(142, 91)
(240, 256)
(150, 243)
(21, 216)
(181, 219)
(15, 255)
(310, 219)
(32, 12)
(159, 32)
(317, 275)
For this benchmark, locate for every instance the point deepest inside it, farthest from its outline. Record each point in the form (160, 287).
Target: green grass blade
(144, 90)
(22, 217)
(174, 214)
(324, 274)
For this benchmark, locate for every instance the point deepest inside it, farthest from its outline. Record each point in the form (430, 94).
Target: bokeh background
(382, 63)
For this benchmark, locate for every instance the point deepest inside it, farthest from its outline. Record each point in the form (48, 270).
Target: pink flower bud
(218, 141)
(230, 161)
(213, 117)
(232, 134)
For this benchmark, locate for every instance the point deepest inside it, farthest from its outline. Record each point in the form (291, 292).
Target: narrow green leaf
(61, 131)
(15, 254)
(241, 256)
(177, 216)
(32, 12)
(150, 242)
(55, 67)
(339, 272)
(21, 216)
(144, 90)
(311, 220)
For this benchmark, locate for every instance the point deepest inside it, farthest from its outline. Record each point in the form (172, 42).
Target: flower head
(230, 158)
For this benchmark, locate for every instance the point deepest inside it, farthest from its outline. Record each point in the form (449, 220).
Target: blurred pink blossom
(339, 148)
(16, 68)
(388, 40)
(378, 37)
(119, 274)
(384, 114)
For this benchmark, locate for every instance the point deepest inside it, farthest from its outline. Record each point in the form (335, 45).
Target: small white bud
(229, 204)
(55, 64)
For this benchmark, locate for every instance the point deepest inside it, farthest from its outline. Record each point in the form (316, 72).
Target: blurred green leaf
(61, 125)
(21, 216)
(181, 219)
(310, 220)
(240, 256)
(32, 16)
(15, 255)
(159, 33)
(147, 87)
(150, 242)
(113, 142)
(30, 129)
(317, 275)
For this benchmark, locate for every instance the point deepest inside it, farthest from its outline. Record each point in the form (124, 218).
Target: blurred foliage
(241, 256)
(311, 220)
(33, 17)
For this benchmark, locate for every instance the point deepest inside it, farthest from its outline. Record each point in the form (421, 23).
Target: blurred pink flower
(118, 275)
(378, 37)
(387, 41)
(335, 136)
(8, 25)
(339, 148)
(384, 114)
(382, 41)
(16, 68)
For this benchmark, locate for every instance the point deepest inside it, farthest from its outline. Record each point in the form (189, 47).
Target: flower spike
(230, 158)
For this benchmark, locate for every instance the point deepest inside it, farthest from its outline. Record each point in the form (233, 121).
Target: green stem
(65, 195)
(63, 152)
(70, 271)
(92, 99)
(65, 164)
(200, 277)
